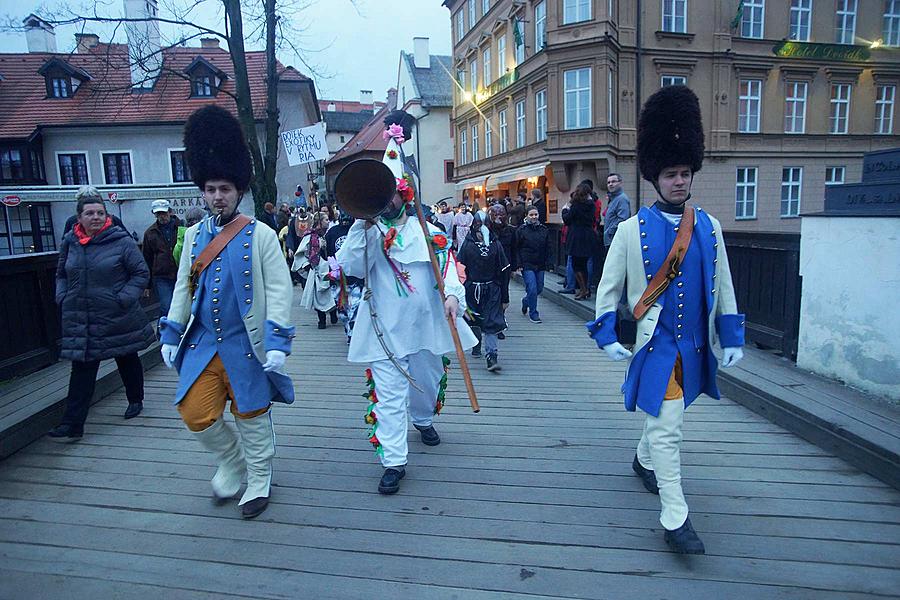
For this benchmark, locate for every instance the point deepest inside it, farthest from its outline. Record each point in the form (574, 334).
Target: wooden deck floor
(532, 498)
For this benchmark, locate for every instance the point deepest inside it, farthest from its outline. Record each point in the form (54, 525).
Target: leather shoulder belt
(215, 247)
(669, 269)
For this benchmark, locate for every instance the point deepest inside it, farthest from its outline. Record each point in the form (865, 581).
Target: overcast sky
(355, 47)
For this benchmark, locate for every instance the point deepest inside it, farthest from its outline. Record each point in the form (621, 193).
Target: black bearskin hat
(670, 132)
(214, 148)
(402, 118)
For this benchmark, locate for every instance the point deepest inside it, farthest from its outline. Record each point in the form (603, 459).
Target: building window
(474, 142)
(667, 80)
(791, 185)
(891, 33)
(11, 168)
(463, 148)
(540, 25)
(343, 140)
(540, 115)
(745, 193)
(575, 11)
(473, 74)
(674, 16)
(834, 175)
(460, 25)
(485, 7)
(504, 144)
(486, 67)
(203, 86)
(519, 40)
(577, 92)
(752, 19)
(60, 87)
(801, 13)
(845, 22)
(472, 17)
(748, 105)
(795, 107)
(73, 169)
(610, 97)
(37, 165)
(461, 80)
(884, 109)
(448, 171)
(840, 107)
(488, 139)
(520, 123)
(501, 55)
(117, 168)
(180, 169)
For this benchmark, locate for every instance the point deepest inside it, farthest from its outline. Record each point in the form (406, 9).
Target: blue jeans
(534, 285)
(570, 273)
(165, 288)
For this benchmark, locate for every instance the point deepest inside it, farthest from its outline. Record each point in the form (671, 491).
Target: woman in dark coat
(581, 239)
(485, 263)
(99, 281)
(506, 235)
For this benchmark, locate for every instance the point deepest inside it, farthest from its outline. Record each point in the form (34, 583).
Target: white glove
(168, 352)
(616, 351)
(274, 360)
(730, 356)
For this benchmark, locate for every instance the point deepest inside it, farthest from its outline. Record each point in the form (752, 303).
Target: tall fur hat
(215, 148)
(670, 132)
(403, 119)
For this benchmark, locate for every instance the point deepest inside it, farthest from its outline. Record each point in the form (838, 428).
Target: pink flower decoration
(334, 268)
(394, 131)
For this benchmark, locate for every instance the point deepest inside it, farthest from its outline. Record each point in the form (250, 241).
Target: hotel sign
(504, 82)
(837, 52)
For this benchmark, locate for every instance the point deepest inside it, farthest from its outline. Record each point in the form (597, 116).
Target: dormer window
(206, 78)
(60, 87)
(61, 78)
(203, 86)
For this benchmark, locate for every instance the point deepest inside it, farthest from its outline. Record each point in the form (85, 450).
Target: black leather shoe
(134, 409)
(430, 437)
(685, 540)
(254, 508)
(501, 336)
(322, 325)
(390, 481)
(524, 310)
(647, 476)
(492, 364)
(65, 433)
(567, 291)
(476, 350)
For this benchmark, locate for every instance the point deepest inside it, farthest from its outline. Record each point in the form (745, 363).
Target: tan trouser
(204, 403)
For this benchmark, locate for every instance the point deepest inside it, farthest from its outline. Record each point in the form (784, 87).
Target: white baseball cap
(160, 206)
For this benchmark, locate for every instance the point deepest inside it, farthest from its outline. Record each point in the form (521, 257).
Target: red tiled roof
(107, 97)
(349, 106)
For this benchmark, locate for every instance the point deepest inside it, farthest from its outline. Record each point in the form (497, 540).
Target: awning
(494, 179)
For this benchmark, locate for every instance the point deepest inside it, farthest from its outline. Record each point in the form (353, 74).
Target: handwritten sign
(305, 145)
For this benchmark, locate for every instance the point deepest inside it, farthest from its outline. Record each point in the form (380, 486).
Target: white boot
(219, 439)
(258, 440)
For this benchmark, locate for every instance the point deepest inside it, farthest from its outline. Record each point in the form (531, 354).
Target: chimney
(144, 52)
(365, 97)
(421, 58)
(392, 98)
(209, 43)
(39, 34)
(85, 41)
(331, 107)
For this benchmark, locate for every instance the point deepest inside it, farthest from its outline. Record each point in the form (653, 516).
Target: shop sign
(504, 82)
(11, 200)
(837, 52)
(113, 197)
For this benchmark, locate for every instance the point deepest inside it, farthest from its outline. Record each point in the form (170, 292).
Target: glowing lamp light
(876, 44)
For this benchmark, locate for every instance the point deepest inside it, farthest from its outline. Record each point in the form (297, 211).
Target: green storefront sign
(503, 82)
(838, 52)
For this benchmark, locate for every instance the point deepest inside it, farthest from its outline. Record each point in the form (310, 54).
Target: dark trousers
(83, 380)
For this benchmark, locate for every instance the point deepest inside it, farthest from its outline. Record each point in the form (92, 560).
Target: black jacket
(533, 247)
(99, 287)
(506, 235)
(158, 250)
(581, 239)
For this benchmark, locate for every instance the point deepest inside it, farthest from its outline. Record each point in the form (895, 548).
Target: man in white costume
(404, 340)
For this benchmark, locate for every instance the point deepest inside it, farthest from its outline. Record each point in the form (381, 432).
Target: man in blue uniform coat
(678, 285)
(227, 331)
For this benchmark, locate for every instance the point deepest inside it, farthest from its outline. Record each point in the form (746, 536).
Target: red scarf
(83, 237)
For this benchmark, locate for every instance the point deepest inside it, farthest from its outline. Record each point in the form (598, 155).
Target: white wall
(851, 281)
(431, 145)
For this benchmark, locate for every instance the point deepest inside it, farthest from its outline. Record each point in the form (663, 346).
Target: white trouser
(396, 398)
(660, 451)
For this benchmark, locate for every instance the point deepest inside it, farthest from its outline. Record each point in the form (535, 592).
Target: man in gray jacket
(618, 210)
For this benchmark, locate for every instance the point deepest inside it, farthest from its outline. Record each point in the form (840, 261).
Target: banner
(305, 145)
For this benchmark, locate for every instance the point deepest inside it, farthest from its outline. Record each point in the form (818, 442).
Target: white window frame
(791, 209)
(460, 24)
(610, 96)
(463, 146)
(519, 25)
(520, 123)
(884, 109)
(461, 80)
(743, 190)
(540, 115)
(486, 66)
(575, 94)
(130, 164)
(831, 173)
(540, 25)
(792, 101)
(485, 7)
(473, 18)
(674, 16)
(845, 21)
(501, 55)
(576, 11)
(667, 80)
(753, 19)
(504, 139)
(840, 108)
(488, 139)
(749, 105)
(87, 166)
(473, 74)
(475, 157)
(801, 18)
(890, 34)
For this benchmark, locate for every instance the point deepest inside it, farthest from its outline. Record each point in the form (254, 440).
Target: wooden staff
(436, 267)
